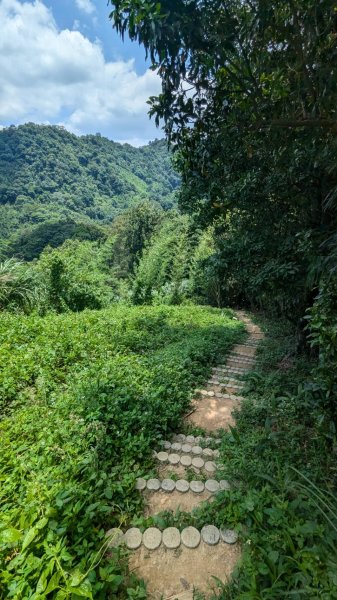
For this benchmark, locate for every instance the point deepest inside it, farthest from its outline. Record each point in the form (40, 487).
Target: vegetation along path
(175, 561)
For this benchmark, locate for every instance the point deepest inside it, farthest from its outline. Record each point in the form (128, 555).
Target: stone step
(244, 349)
(185, 448)
(182, 485)
(228, 371)
(241, 358)
(236, 364)
(223, 385)
(225, 381)
(171, 538)
(212, 394)
(186, 460)
(192, 439)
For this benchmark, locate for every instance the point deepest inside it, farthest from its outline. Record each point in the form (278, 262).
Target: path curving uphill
(176, 562)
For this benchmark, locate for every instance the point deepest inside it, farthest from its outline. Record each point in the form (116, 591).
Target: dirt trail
(175, 572)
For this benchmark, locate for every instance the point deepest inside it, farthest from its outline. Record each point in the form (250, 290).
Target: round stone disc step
(198, 462)
(210, 534)
(197, 486)
(152, 538)
(168, 485)
(186, 448)
(140, 484)
(210, 466)
(153, 485)
(229, 536)
(186, 460)
(115, 537)
(162, 457)
(190, 537)
(176, 446)
(174, 459)
(182, 486)
(212, 486)
(179, 437)
(171, 537)
(133, 538)
(224, 484)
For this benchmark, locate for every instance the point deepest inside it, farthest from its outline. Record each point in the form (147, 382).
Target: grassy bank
(84, 398)
(283, 462)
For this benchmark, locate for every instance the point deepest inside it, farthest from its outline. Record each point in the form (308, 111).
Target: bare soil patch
(160, 501)
(213, 413)
(171, 574)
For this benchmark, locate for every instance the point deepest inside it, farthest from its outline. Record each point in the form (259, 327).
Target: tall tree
(249, 92)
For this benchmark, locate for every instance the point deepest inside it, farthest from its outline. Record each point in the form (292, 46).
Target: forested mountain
(51, 180)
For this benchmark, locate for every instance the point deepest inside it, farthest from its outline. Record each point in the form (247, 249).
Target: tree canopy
(248, 101)
(55, 185)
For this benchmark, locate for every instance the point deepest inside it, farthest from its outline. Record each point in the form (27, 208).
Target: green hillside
(48, 176)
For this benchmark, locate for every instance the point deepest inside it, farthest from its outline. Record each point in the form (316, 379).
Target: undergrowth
(85, 398)
(281, 458)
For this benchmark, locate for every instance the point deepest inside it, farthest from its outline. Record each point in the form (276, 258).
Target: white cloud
(86, 5)
(60, 76)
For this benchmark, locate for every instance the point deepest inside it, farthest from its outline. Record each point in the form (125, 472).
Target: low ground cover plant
(281, 459)
(84, 399)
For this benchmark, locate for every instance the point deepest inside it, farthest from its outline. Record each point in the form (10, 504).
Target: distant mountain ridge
(49, 175)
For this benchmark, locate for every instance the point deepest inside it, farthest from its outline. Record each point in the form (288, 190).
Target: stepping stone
(197, 486)
(186, 448)
(210, 534)
(168, 485)
(216, 453)
(176, 446)
(116, 537)
(207, 452)
(212, 485)
(153, 485)
(140, 484)
(152, 538)
(171, 537)
(186, 460)
(162, 457)
(224, 484)
(167, 445)
(190, 537)
(182, 486)
(209, 440)
(133, 538)
(196, 450)
(229, 536)
(179, 437)
(174, 459)
(190, 439)
(197, 462)
(210, 466)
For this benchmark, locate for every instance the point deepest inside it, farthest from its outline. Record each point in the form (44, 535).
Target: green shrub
(85, 397)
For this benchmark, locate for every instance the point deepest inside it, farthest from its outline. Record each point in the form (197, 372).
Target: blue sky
(61, 62)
